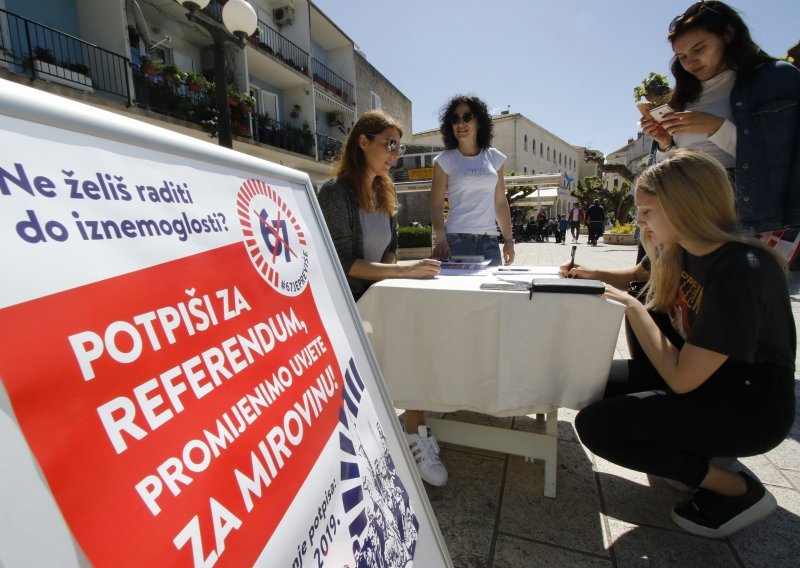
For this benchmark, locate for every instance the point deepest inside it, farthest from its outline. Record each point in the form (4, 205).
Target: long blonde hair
(352, 164)
(697, 198)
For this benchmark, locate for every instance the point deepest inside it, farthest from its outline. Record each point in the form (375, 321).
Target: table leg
(526, 444)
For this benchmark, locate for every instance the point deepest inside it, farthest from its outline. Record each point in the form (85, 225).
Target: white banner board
(184, 380)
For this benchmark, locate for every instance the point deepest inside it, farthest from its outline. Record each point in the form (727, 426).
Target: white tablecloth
(445, 345)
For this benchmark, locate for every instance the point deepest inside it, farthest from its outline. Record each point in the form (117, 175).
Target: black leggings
(662, 433)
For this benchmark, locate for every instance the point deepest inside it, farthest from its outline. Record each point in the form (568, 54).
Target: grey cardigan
(340, 209)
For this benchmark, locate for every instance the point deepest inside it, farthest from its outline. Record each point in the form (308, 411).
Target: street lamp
(240, 22)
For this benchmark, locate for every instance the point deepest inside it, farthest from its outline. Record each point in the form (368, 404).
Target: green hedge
(412, 237)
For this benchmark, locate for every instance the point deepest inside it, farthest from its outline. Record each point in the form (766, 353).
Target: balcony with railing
(274, 44)
(282, 135)
(42, 52)
(328, 147)
(333, 83)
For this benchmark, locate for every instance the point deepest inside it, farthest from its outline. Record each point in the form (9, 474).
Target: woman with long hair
(360, 210)
(740, 106)
(470, 172)
(722, 383)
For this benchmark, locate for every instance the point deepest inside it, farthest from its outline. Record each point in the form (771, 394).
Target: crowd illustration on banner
(383, 525)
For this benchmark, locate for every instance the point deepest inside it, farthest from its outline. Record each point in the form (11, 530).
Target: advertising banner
(181, 361)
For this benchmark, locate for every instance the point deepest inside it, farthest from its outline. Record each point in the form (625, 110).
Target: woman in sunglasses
(360, 210)
(471, 173)
(737, 104)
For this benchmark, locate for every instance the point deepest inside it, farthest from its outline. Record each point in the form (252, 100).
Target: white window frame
(375, 102)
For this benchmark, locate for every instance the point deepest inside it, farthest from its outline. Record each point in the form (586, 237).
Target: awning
(334, 103)
(544, 196)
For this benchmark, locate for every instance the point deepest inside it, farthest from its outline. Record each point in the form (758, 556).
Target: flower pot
(619, 239)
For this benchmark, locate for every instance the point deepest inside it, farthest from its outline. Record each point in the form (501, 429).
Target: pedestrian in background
(563, 225)
(576, 216)
(595, 221)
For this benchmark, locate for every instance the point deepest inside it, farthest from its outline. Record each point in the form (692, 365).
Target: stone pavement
(492, 512)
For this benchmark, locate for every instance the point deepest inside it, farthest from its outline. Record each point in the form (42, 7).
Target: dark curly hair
(481, 114)
(742, 54)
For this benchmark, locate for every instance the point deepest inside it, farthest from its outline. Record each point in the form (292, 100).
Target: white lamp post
(240, 22)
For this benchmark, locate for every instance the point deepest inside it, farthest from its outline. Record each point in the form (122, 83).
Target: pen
(512, 270)
(571, 260)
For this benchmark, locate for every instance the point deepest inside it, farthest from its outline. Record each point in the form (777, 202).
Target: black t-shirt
(735, 301)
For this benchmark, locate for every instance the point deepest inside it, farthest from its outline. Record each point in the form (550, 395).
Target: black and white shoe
(713, 515)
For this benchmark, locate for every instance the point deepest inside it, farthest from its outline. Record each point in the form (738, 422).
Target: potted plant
(247, 103)
(255, 38)
(44, 55)
(171, 74)
(150, 65)
(296, 111)
(620, 234)
(196, 82)
(654, 89)
(414, 242)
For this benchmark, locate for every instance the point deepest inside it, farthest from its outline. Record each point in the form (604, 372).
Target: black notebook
(567, 286)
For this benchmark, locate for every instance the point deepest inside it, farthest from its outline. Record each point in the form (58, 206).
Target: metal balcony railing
(332, 82)
(328, 147)
(275, 44)
(280, 135)
(45, 53)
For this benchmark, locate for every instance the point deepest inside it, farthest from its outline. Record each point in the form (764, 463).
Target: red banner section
(175, 411)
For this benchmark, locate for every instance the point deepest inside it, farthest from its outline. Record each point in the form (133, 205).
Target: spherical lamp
(240, 18)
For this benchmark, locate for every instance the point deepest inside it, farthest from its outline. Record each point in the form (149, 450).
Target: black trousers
(644, 426)
(595, 230)
(575, 228)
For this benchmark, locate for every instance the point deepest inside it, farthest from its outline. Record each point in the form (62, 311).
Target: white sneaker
(425, 451)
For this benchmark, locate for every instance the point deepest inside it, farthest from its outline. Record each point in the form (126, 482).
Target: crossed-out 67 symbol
(274, 239)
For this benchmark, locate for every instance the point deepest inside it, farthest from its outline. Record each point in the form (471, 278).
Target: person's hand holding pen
(572, 270)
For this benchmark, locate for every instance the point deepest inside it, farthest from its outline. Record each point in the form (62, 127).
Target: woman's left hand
(618, 295)
(691, 122)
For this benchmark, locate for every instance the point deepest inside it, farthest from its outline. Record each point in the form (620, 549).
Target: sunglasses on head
(689, 16)
(466, 117)
(392, 145)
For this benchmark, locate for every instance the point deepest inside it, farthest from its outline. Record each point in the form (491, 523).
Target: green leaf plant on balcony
(150, 65)
(196, 83)
(240, 103)
(172, 74)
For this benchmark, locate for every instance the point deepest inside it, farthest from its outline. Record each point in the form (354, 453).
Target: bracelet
(511, 242)
(671, 146)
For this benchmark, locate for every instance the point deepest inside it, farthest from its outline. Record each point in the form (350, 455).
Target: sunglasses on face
(392, 145)
(466, 117)
(689, 16)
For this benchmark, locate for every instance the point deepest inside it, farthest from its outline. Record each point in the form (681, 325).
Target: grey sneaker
(426, 453)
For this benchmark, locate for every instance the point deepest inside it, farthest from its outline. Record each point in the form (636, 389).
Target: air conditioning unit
(283, 16)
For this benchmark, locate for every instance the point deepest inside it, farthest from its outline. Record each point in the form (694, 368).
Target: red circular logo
(273, 237)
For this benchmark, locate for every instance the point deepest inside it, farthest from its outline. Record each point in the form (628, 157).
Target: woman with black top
(722, 382)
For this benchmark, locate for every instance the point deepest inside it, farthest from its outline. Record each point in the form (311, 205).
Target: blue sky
(568, 65)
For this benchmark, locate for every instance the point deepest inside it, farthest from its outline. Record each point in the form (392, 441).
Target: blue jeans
(469, 244)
